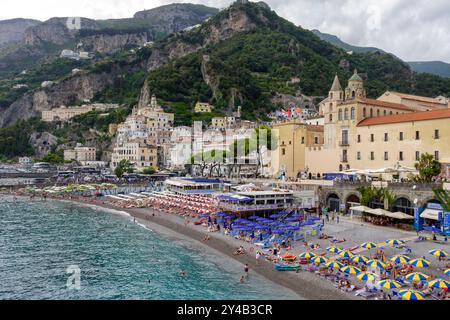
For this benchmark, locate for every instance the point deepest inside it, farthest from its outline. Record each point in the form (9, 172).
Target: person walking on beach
(337, 219)
(246, 269)
(258, 257)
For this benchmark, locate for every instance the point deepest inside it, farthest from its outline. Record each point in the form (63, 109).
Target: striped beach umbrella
(334, 265)
(400, 259)
(360, 258)
(351, 270)
(420, 263)
(394, 242)
(389, 284)
(417, 277)
(376, 263)
(307, 255)
(334, 249)
(346, 254)
(366, 276)
(439, 253)
(319, 260)
(447, 272)
(368, 245)
(439, 283)
(411, 295)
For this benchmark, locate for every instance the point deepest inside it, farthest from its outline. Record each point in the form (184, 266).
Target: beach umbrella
(253, 217)
(411, 295)
(400, 259)
(420, 263)
(351, 270)
(307, 223)
(447, 272)
(389, 284)
(334, 264)
(278, 231)
(229, 217)
(320, 260)
(274, 216)
(307, 255)
(366, 276)
(291, 219)
(394, 242)
(417, 277)
(360, 258)
(368, 245)
(439, 253)
(334, 249)
(346, 254)
(439, 283)
(376, 263)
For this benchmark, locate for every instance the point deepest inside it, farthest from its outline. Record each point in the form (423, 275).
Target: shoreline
(304, 285)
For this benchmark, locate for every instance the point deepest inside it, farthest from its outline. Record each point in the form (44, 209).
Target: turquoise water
(117, 258)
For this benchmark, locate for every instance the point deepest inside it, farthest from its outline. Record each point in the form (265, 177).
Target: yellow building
(203, 107)
(362, 133)
(223, 123)
(81, 153)
(294, 137)
(66, 113)
(139, 153)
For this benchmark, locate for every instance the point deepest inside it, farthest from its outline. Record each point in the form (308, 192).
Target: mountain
(12, 31)
(244, 56)
(433, 67)
(334, 40)
(438, 68)
(42, 42)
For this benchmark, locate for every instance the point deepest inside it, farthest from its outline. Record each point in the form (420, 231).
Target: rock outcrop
(12, 31)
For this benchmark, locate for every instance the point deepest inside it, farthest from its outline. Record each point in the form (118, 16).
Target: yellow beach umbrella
(351, 270)
(307, 255)
(389, 284)
(417, 277)
(334, 249)
(447, 272)
(366, 276)
(334, 265)
(439, 253)
(376, 263)
(319, 260)
(420, 263)
(394, 242)
(439, 283)
(360, 258)
(411, 295)
(369, 245)
(400, 259)
(346, 254)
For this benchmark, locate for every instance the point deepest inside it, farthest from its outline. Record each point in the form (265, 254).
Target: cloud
(410, 29)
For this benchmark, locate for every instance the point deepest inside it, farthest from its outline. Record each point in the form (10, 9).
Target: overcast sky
(411, 29)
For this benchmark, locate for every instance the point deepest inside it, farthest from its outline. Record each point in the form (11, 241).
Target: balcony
(344, 143)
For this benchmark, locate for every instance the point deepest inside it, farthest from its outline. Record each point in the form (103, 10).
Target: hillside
(438, 68)
(12, 31)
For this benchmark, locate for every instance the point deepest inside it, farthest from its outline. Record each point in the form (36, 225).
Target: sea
(57, 250)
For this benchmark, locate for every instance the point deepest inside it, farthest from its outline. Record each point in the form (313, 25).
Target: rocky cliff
(108, 44)
(12, 31)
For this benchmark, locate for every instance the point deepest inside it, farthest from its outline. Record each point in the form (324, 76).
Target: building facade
(80, 153)
(66, 113)
(203, 107)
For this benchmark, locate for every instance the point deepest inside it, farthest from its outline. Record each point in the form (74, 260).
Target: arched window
(353, 94)
(378, 112)
(331, 95)
(346, 114)
(364, 113)
(352, 113)
(384, 112)
(340, 115)
(371, 113)
(331, 117)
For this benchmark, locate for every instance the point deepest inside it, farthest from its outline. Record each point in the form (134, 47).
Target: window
(290, 142)
(344, 137)
(436, 134)
(340, 115)
(371, 113)
(316, 140)
(352, 114)
(364, 112)
(386, 137)
(283, 151)
(372, 155)
(331, 117)
(384, 112)
(401, 136)
(436, 155)
(372, 137)
(417, 135)
(346, 114)
(417, 155)
(378, 112)
(359, 138)
(400, 156)
(358, 155)
(331, 95)
(386, 156)
(303, 140)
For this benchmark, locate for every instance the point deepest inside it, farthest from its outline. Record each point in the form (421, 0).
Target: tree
(53, 157)
(428, 167)
(368, 194)
(149, 170)
(124, 166)
(444, 198)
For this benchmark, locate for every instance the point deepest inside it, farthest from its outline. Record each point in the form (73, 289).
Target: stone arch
(403, 204)
(333, 201)
(351, 199)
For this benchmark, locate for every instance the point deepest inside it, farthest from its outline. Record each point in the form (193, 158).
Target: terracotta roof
(416, 98)
(407, 117)
(383, 104)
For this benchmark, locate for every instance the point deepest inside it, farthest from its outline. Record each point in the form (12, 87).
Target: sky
(414, 30)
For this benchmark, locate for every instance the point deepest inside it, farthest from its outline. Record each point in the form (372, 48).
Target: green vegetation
(124, 166)
(371, 193)
(14, 140)
(54, 157)
(428, 168)
(444, 198)
(149, 170)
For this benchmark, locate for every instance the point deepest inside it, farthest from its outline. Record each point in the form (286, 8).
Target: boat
(287, 267)
(289, 257)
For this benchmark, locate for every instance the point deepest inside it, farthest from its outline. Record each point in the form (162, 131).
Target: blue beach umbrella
(253, 217)
(229, 217)
(274, 216)
(291, 219)
(307, 223)
(278, 231)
